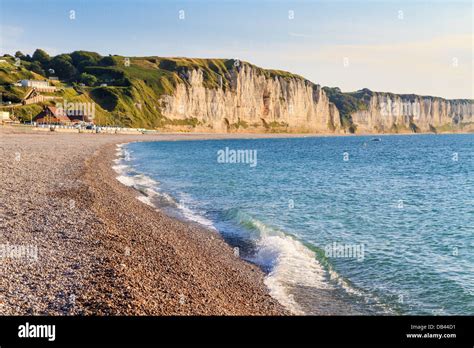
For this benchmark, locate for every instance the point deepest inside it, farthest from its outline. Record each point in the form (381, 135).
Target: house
(53, 115)
(42, 86)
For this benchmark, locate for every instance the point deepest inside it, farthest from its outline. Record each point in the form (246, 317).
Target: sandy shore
(75, 241)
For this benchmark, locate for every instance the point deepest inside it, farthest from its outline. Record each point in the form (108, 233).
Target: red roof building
(53, 115)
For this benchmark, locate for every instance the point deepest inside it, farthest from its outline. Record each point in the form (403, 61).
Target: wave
(289, 262)
(187, 207)
(292, 263)
(151, 193)
(145, 185)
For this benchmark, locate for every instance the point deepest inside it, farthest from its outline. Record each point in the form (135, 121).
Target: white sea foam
(146, 200)
(185, 204)
(150, 193)
(126, 180)
(120, 168)
(122, 153)
(142, 183)
(291, 264)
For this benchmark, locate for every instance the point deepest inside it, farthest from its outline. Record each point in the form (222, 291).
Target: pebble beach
(75, 241)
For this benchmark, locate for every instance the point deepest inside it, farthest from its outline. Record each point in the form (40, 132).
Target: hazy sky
(423, 47)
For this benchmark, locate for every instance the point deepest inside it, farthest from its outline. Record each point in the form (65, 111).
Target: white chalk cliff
(385, 111)
(259, 101)
(291, 103)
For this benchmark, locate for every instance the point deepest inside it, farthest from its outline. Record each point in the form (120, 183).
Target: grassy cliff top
(350, 102)
(129, 89)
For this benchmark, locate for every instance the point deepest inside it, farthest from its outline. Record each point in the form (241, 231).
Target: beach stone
(81, 249)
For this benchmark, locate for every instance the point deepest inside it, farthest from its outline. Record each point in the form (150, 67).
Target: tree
(107, 61)
(66, 57)
(88, 79)
(41, 56)
(36, 67)
(19, 54)
(83, 64)
(80, 56)
(62, 67)
(83, 59)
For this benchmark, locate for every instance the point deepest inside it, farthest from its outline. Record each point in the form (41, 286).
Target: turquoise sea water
(340, 225)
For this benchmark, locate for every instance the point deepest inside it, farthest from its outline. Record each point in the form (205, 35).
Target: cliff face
(251, 99)
(194, 94)
(390, 112)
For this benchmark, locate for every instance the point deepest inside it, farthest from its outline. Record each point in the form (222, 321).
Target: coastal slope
(221, 95)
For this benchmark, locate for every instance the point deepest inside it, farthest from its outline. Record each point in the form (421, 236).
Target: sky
(422, 47)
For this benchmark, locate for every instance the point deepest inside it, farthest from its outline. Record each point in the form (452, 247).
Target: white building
(34, 83)
(42, 86)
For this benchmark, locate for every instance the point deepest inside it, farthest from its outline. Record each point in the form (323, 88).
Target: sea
(341, 225)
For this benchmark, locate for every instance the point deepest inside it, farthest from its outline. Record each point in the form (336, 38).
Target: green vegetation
(239, 124)
(443, 128)
(128, 91)
(62, 66)
(414, 128)
(10, 74)
(193, 122)
(347, 103)
(88, 79)
(275, 127)
(216, 72)
(41, 57)
(107, 98)
(27, 112)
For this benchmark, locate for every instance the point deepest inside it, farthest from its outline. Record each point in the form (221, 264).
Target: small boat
(376, 139)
